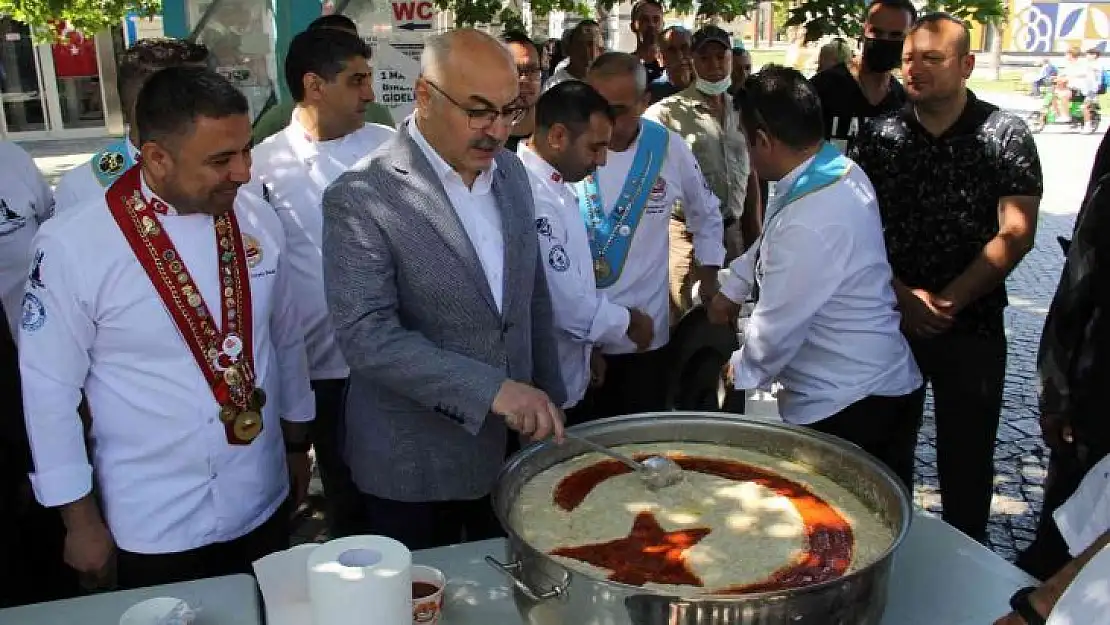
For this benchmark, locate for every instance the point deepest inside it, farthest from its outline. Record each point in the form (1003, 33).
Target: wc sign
(413, 15)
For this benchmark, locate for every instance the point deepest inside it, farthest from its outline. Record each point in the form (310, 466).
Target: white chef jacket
(643, 283)
(295, 170)
(1083, 518)
(825, 325)
(167, 477)
(80, 184)
(25, 202)
(583, 316)
(477, 210)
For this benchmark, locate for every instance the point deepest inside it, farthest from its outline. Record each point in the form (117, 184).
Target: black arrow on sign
(414, 26)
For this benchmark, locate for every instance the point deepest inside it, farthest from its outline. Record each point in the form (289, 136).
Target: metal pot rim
(905, 507)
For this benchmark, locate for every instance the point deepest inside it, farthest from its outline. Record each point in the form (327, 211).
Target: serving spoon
(656, 471)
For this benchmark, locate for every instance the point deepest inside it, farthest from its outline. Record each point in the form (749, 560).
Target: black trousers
(633, 383)
(967, 373)
(885, 427)
(135, 570)
(341, 497)
(427, 524)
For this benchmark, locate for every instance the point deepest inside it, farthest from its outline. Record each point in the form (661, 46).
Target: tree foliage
(87, 16)
(845, 17)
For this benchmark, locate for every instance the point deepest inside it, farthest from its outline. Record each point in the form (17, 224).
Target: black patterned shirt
(938, 195)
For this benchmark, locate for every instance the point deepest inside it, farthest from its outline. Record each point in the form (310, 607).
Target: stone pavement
(1020, 455)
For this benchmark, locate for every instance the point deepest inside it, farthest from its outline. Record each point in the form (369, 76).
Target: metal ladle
(656, 471)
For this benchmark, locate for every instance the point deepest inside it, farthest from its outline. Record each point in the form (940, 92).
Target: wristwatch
(1020, 603)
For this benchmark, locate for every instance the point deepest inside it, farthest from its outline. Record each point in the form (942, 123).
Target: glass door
(77, 75)
(20, 85)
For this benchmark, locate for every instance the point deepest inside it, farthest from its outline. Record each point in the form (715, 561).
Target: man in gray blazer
(439, 302)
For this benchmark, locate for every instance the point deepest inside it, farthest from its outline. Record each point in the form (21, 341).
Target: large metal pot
(547, 593)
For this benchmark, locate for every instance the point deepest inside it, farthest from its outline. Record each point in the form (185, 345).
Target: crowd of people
(206, 301)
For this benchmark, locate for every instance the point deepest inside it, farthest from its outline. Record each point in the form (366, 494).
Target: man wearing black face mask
(850, 96)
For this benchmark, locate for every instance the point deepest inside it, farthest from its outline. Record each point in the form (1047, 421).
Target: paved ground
(1020, 456)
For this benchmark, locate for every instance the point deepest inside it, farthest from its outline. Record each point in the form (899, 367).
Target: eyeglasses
(483, 118)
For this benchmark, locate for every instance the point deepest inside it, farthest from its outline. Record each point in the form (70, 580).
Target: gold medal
(247, 425)
(258, 399)
(232, 377)
(602, 269)
(194, 299)
(228, 414)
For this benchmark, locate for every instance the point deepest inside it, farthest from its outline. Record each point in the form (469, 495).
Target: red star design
(647, 554)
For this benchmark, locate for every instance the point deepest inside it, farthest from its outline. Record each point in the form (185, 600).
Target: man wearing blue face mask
(852, 95)
(704, 115)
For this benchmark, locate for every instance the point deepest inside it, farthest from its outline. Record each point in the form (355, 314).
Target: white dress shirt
(166, 476)
(825, 325)
(583, 316)
(477, 210)
(643, 283)
(295, 170)
(80, 184)
(25, 202)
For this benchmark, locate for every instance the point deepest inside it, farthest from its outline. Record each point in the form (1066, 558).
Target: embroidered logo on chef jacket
(659, 190)
(10, 221)
(35, 277)
(111, 163)
(253, 249)
(558, 258)
(33, 314)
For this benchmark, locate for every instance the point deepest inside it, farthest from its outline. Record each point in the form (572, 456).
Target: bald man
(438, 297)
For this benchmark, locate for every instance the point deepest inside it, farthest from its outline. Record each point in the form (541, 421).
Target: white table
(939, 576)
(231, 600)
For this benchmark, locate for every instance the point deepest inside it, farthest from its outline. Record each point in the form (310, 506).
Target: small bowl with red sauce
(427, 594)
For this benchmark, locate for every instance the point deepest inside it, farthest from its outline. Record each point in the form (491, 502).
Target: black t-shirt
(939, 196)
(654, 71)
(846, 108)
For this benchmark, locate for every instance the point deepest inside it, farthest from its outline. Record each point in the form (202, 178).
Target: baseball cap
(710, 34)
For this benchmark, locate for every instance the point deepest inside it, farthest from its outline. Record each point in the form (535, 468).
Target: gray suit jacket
(417, 322)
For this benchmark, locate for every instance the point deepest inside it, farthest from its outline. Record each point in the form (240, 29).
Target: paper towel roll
(361, 580)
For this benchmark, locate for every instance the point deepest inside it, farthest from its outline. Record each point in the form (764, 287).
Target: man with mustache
(529, 73)
(192, 361)
(439, 302)
(329, 77)
(573, 127)
(852, 95)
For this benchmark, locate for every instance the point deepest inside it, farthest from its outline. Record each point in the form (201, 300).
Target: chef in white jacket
(167, 301)
(626, 206)
(330, 79)
(825, 324)
(25, 202)
(573, 126)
